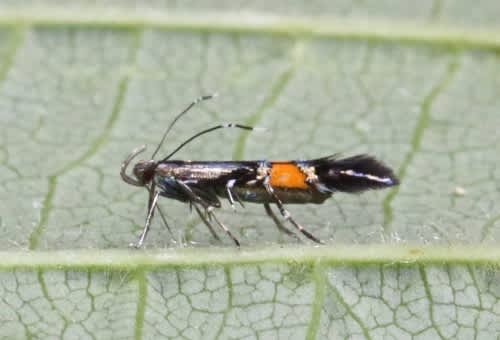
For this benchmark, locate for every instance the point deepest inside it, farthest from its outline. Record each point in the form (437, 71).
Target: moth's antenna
(213, 128)
(189, 107)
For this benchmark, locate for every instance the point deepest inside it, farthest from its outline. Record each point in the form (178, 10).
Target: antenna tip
(205, 97)
(260, 129)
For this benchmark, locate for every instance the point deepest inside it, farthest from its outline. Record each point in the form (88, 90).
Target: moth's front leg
(152, 202)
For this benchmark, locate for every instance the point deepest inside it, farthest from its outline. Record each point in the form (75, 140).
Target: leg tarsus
(304, 231)
(226, 229)
(278, 223)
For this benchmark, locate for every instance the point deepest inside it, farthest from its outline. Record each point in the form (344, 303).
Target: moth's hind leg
(285, 213)
(277, 222)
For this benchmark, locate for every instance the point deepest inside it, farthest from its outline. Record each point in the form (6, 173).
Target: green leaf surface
(414, 83)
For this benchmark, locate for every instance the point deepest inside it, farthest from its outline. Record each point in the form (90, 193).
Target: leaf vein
(417, 137)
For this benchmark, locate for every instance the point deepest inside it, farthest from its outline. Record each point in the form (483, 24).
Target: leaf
(415, 84)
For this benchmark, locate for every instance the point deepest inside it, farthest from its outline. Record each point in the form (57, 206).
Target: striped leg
(209, 209)
(277, 222)
(153, 200)
(207, 223)
(285, 213)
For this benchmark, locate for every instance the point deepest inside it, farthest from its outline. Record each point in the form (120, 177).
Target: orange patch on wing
(287, 175)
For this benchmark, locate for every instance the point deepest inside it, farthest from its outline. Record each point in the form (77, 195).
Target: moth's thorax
(187, 170)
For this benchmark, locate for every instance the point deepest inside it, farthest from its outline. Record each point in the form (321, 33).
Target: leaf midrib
(406, 31)
(333, 255)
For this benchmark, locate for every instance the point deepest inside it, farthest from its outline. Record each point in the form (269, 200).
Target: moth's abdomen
(287, 175)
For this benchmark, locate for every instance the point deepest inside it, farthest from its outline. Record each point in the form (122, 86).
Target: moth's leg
(192, 196)
(208, 208)
(277, 222)
(159, 210)
(226, 229)
(153, 200)
(164, 219)
(207, 223)
(235, 194)
(193, 201)
(285, 213)
(231, 194)
(229, 186)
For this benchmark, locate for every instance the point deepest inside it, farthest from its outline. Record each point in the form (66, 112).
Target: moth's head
(143, 170)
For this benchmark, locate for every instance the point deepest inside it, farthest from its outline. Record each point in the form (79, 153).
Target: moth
(203, 184)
